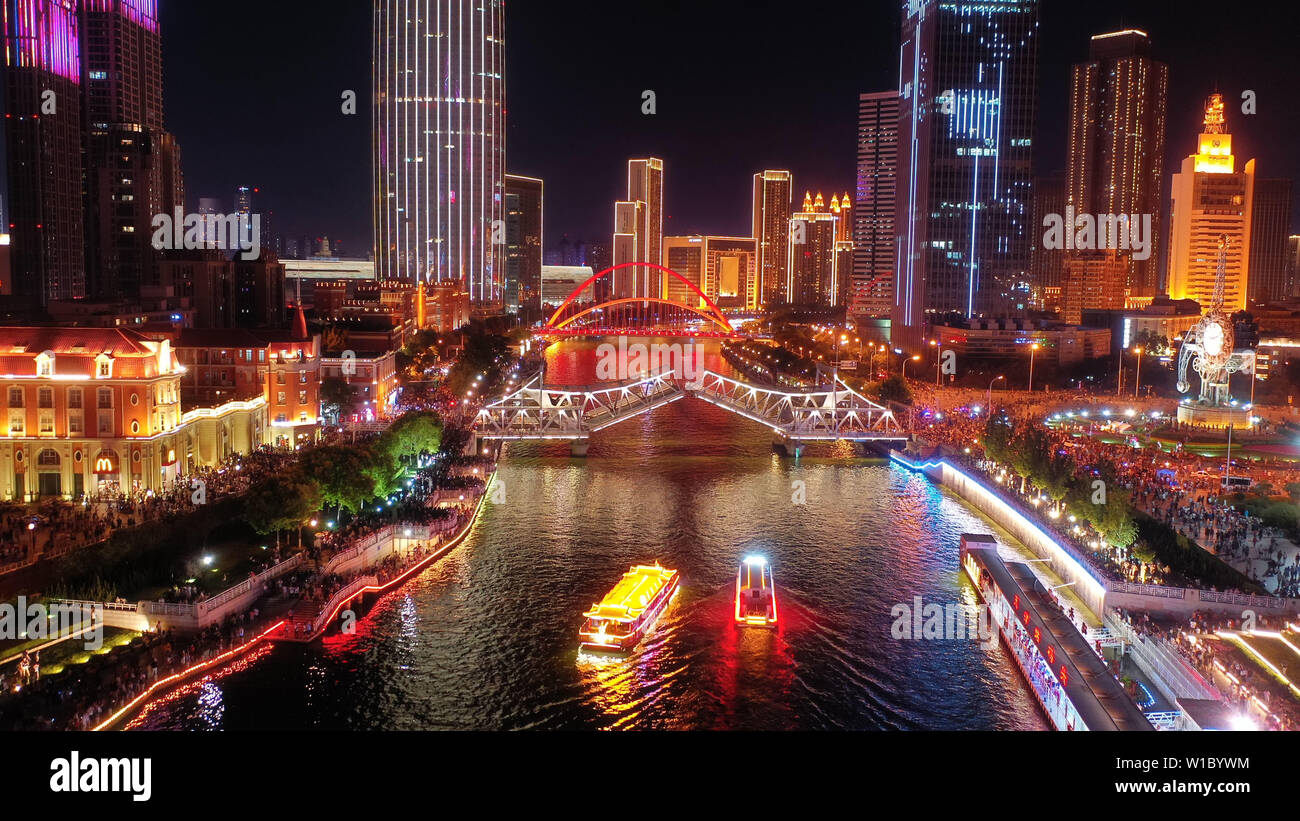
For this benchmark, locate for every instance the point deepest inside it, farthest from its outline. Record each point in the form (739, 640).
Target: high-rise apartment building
(1211, 200)
(639, 230)
(629, 246)
(871, 288)
(440, 143)
(132, 163)
(1270, 229)
(523, 282)
(46, 208)
(1046, 265)
(968, 102)
(1116, 156)
(773, 206)
(813, 255)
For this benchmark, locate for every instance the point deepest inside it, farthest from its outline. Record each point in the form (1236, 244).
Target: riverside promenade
(280, 628)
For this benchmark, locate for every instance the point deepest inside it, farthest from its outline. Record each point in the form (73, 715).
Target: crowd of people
(1194, 641)
(85, 694)
(1181, 488)
(56, 527)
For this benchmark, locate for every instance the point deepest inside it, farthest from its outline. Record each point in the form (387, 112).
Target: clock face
(1212, 342)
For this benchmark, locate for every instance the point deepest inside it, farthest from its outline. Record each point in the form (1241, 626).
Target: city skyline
(968, 330)
(312, 161)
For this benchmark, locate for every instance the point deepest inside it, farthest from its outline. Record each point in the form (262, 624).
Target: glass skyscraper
(967, 80)
(440, 143)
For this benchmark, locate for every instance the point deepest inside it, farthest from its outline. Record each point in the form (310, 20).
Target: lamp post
(915, 358)
(1137, 377)
(1033, 349)
(938, 355)
(991, 381)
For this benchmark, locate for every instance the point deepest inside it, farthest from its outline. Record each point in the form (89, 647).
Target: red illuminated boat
(755, 593)
(629, 611)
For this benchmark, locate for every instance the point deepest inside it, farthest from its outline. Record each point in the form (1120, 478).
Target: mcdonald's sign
(106, 464)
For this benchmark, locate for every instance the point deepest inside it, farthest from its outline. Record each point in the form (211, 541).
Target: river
(486, 638)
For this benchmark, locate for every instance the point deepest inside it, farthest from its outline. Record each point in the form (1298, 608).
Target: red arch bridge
(636, 299)
(536, 412)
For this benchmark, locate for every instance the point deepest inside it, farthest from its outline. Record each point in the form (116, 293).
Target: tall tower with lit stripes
(43, 127)
(968, 78)
(440, 143)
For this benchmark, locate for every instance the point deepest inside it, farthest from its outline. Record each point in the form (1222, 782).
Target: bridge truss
(537, 412)
(823, 415)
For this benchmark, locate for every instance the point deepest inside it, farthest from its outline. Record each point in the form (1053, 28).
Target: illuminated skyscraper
(440, 143)
(875, 206)
(968, 85)
(523, 280)
(629, 245)
(45, 204)
(131, 162)
(1211, 199)
(1117, 140)
(773, 207)
(815, 255)
(639, 220)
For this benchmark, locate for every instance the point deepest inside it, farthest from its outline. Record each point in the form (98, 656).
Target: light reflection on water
(487, 637)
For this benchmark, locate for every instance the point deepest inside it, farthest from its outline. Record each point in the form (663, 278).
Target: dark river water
(487, 638)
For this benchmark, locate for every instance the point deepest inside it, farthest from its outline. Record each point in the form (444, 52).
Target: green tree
(343, 473)
(281, 503)
(998, 432)
(894, 389)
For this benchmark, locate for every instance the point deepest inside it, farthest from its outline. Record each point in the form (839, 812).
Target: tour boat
(629, 611)
(755, 594)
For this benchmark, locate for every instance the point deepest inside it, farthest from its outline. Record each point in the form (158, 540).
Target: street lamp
(1137, 378)
(938, 354)
(915, 358)
(1033, 349)
(991, 381)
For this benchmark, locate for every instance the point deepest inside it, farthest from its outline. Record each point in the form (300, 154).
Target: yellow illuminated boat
(755, 593)
(629, 611)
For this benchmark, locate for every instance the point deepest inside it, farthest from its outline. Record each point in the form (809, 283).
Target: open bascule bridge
(536, 412)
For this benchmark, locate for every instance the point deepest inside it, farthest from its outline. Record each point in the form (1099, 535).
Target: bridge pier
(578, 448)
(790, 447)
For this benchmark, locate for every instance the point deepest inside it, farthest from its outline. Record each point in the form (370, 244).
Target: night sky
(253, 93)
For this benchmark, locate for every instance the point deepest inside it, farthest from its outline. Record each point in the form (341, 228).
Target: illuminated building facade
(773, 206)
(968, 86)
(440, 143)
(1211, 199)
(45, 204)
(98, 410)
(639, 230)
(875, 205)
(724, 268)
(629, 242)
(1094, 280)
(814, 255)
(281, 369)
(132, 164)
(524, 220)
(685, 255)
(1116, 154)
